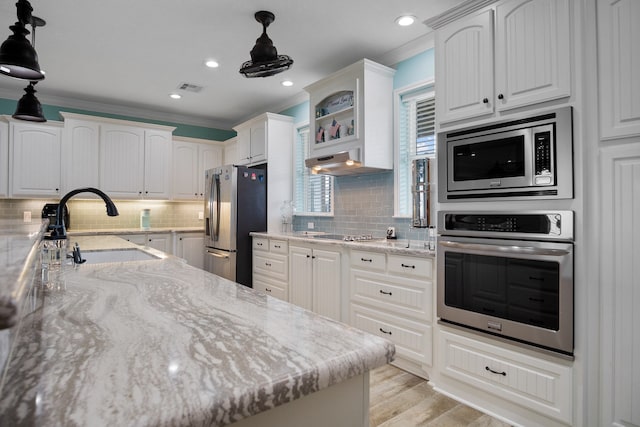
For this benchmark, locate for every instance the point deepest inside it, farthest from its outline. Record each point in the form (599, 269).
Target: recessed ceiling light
(286, 83)
(212, 64)
(405, 20)
(175, 96)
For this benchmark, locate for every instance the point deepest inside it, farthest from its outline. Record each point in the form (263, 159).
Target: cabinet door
(122, 161)
(157, 164)
(258, 143)
(35, 160)
(326, 283)
(619, 67)
(231, 152)
(138, 239)
(4, 159)
(300, 277)
(243, 146)
(185, 170)
(161, 242)
(464, 68)
(191, 248)
(80, 155)
(210, 156)
(533, 52)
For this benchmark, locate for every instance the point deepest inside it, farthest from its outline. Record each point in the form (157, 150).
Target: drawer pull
(259, 244)
(385, 293)
(387, 332)
(277, 246)
(267, 289)
(408, 266)
(366, 260)
(267, 264)
(503, 373)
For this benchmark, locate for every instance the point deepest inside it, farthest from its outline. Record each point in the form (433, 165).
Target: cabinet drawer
(407, 297)
(410, 266)
(412, 339)
(262, 284)
(279, 246)
(368, 260)
(260, 244)
(538, 384)
(271, 265)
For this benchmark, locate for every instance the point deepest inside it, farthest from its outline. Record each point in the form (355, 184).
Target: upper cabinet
(252, 139)
(4, 158)
(353, 108)
(530, 59)
(190, 160)
(619, 68)
(81, 155)
(34, 159)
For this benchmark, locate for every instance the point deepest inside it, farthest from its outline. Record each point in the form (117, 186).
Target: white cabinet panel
(4, 159)
(157, 164)
(122, 161)
(34, 169)
(190, 247)
(161, 242)
(80, 155)
(185, 167)
(270, 287)
(619, 67)
(301, 278)
(271, 267)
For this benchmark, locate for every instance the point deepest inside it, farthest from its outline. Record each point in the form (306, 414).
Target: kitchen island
(165, 344)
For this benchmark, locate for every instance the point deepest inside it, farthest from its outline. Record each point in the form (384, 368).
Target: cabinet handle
(267, 289)
(503, 373)
(276, 246)
(57, 189)
(387, 332)
(195, 194)
(500, 96)
(485, 100)
(313, 257)
(385, 293)
(408, 266)
(146, 192)
(259, 244)
(308, 256)
(267, 264)
(366, 260)
(140, 192)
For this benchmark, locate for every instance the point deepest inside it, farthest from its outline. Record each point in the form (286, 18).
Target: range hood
(339, 164)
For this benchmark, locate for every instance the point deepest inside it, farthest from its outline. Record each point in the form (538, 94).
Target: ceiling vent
(190, 87)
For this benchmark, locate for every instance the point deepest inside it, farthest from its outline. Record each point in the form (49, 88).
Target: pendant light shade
(265, 60)
(29, 107)
(18, 58)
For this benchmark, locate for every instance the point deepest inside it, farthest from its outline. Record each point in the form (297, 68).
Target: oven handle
(527, 250)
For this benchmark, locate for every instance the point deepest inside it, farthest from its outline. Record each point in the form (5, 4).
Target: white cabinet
(160, 241)
(352, 110)
(391, 295)
(34, 164)
(531, 56)
(135, 162)
(231, 151)
(190, 247)
(271, 267)
(315, 279)
(190, 160)
(619, 67)
(4, 158)
(80, 155)
(252, 142)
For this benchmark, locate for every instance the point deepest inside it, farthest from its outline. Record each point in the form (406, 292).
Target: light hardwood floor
(398, 398)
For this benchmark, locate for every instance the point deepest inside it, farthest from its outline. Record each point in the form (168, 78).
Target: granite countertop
(162, 343)
(116, 231)
(393, 246)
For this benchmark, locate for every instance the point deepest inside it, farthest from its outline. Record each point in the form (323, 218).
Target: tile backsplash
(91, 214)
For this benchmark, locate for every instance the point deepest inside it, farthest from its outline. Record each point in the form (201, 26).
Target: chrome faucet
(58, 230)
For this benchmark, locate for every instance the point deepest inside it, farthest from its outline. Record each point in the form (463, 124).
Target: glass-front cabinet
(335, 118)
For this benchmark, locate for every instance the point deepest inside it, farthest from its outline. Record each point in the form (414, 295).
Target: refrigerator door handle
(216, 231)
(217, 255)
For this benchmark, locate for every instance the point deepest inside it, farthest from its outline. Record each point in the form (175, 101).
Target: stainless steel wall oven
(508, 274)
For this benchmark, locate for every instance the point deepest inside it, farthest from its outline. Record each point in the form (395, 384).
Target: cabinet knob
(500, 96)
(146, 192)
(485, 100)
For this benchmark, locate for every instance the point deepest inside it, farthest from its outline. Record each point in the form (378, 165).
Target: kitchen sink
(117, 255)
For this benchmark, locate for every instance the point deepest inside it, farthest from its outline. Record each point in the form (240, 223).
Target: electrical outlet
(26, 216)
(200, 215)
(310, 225)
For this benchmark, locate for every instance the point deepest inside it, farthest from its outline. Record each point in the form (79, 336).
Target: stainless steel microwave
(520, 158)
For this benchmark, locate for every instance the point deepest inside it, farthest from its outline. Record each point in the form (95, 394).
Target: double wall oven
(509, 274)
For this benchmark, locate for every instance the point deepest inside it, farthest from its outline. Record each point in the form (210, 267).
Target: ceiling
(126, 57)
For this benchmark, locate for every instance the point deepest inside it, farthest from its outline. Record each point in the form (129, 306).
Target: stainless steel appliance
(235, 205)
(520, 158)
(420, 190)
(509, 274)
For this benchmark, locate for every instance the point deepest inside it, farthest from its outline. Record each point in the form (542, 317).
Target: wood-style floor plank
(400, 399)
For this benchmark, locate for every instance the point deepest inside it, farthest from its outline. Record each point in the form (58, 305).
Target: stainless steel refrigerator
(235, 205)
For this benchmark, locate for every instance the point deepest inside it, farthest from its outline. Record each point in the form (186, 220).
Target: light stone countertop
(116, 231)
(159, 343)
(392, 246)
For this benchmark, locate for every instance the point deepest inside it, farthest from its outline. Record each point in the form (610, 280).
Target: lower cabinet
(159, 241)
(528, 390)
(392, 296)
(190, 247)
(315, 279)
(271, 267)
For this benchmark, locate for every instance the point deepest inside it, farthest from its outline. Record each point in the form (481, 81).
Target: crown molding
(408, 50)
(465, 8)
(296, 99)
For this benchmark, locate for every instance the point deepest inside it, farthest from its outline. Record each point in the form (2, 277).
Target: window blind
(313, 193)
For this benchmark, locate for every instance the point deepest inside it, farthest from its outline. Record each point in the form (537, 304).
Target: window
(415, 138)
(313, 194)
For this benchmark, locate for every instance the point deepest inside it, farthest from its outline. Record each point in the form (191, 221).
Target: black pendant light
(265, 60)
(18, 58)
(29, 107)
